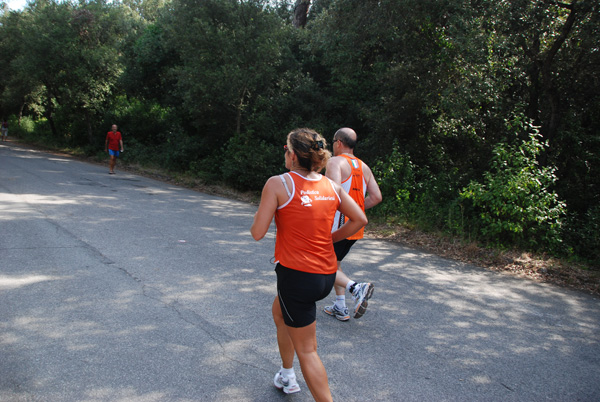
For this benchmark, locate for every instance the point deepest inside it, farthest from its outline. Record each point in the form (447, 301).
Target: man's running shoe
(289, 385)
(361, 294)
(339, 313)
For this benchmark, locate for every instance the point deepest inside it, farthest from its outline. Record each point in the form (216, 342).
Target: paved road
(122, 288)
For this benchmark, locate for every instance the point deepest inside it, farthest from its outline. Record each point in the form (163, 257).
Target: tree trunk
(21, 113)
(301, 13)
(88, 122)
(551, 125)
(49, 115)
(240, 108)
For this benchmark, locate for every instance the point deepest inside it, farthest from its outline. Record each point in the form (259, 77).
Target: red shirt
(304, 222)
(113, 139)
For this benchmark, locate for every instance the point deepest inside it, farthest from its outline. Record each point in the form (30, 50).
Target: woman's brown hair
(310, 147)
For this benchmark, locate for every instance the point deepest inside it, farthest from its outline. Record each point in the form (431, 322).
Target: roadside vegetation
(481, 119)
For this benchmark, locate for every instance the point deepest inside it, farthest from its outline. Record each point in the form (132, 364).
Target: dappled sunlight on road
(26, 153)
(223, 207)
(17, 281)
(46, 200)
(138, 326)
(125, 393)
(453, 316)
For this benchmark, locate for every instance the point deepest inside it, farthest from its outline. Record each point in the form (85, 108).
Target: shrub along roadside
(513, 204)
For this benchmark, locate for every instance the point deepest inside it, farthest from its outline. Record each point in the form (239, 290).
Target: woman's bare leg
(305, 344)
(286, 347)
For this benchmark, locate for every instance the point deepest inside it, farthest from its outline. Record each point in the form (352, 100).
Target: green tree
(230, 52)
(17, 88)
(71, 53)
(148, 60)
(515, 203)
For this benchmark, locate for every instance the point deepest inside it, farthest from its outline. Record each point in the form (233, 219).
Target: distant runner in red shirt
(4, 130)
(114, 146)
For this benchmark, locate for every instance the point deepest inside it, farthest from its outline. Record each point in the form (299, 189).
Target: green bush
(416, 195)
(514, 205)
(143, 154)
(435, 206)
(396, 178)
(582, 235)
(248, 161)
(33, 131)
(179, 151)
(23, 129)
(146, 121)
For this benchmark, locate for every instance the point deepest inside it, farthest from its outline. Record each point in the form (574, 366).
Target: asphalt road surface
(123, 288)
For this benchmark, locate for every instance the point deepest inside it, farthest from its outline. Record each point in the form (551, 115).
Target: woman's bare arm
(266, 209)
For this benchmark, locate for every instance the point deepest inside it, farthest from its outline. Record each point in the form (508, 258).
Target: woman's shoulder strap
(287, 189)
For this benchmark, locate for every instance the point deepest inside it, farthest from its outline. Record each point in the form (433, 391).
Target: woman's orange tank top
(303, 240)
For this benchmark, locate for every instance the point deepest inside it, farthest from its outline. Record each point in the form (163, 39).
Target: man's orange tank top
(356, 187)
(303, 240)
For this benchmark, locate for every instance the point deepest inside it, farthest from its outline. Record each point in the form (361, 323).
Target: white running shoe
(339, 313)
(361, 294)
(289, 385)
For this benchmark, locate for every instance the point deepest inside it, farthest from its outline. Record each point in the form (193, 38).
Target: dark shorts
(342, 247)
(298, 293)
(113, 153)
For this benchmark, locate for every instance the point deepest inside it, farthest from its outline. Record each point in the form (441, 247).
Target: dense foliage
(480, 118)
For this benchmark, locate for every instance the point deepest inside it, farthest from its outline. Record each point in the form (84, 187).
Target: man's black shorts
(298, 293)
(342, 247)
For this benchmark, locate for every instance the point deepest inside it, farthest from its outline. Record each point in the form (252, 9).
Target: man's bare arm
(374, 196)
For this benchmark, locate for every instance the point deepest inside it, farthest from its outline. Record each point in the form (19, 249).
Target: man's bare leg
(112, 163)
(341, 280)
(361, 293)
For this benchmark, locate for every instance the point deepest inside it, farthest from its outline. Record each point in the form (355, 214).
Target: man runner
(114, 146)
(356, 179)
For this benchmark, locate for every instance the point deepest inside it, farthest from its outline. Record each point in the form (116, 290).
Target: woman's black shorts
(298, 292)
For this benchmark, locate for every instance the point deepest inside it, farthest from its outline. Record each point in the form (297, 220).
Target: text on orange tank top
(303, 240)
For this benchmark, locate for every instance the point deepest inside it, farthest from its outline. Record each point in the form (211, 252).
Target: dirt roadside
(526, 265)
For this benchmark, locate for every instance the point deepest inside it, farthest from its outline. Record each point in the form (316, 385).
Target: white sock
(340, 301)
(349, 285)
(288, 373)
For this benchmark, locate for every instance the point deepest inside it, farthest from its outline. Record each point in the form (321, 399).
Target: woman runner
(303, 203)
